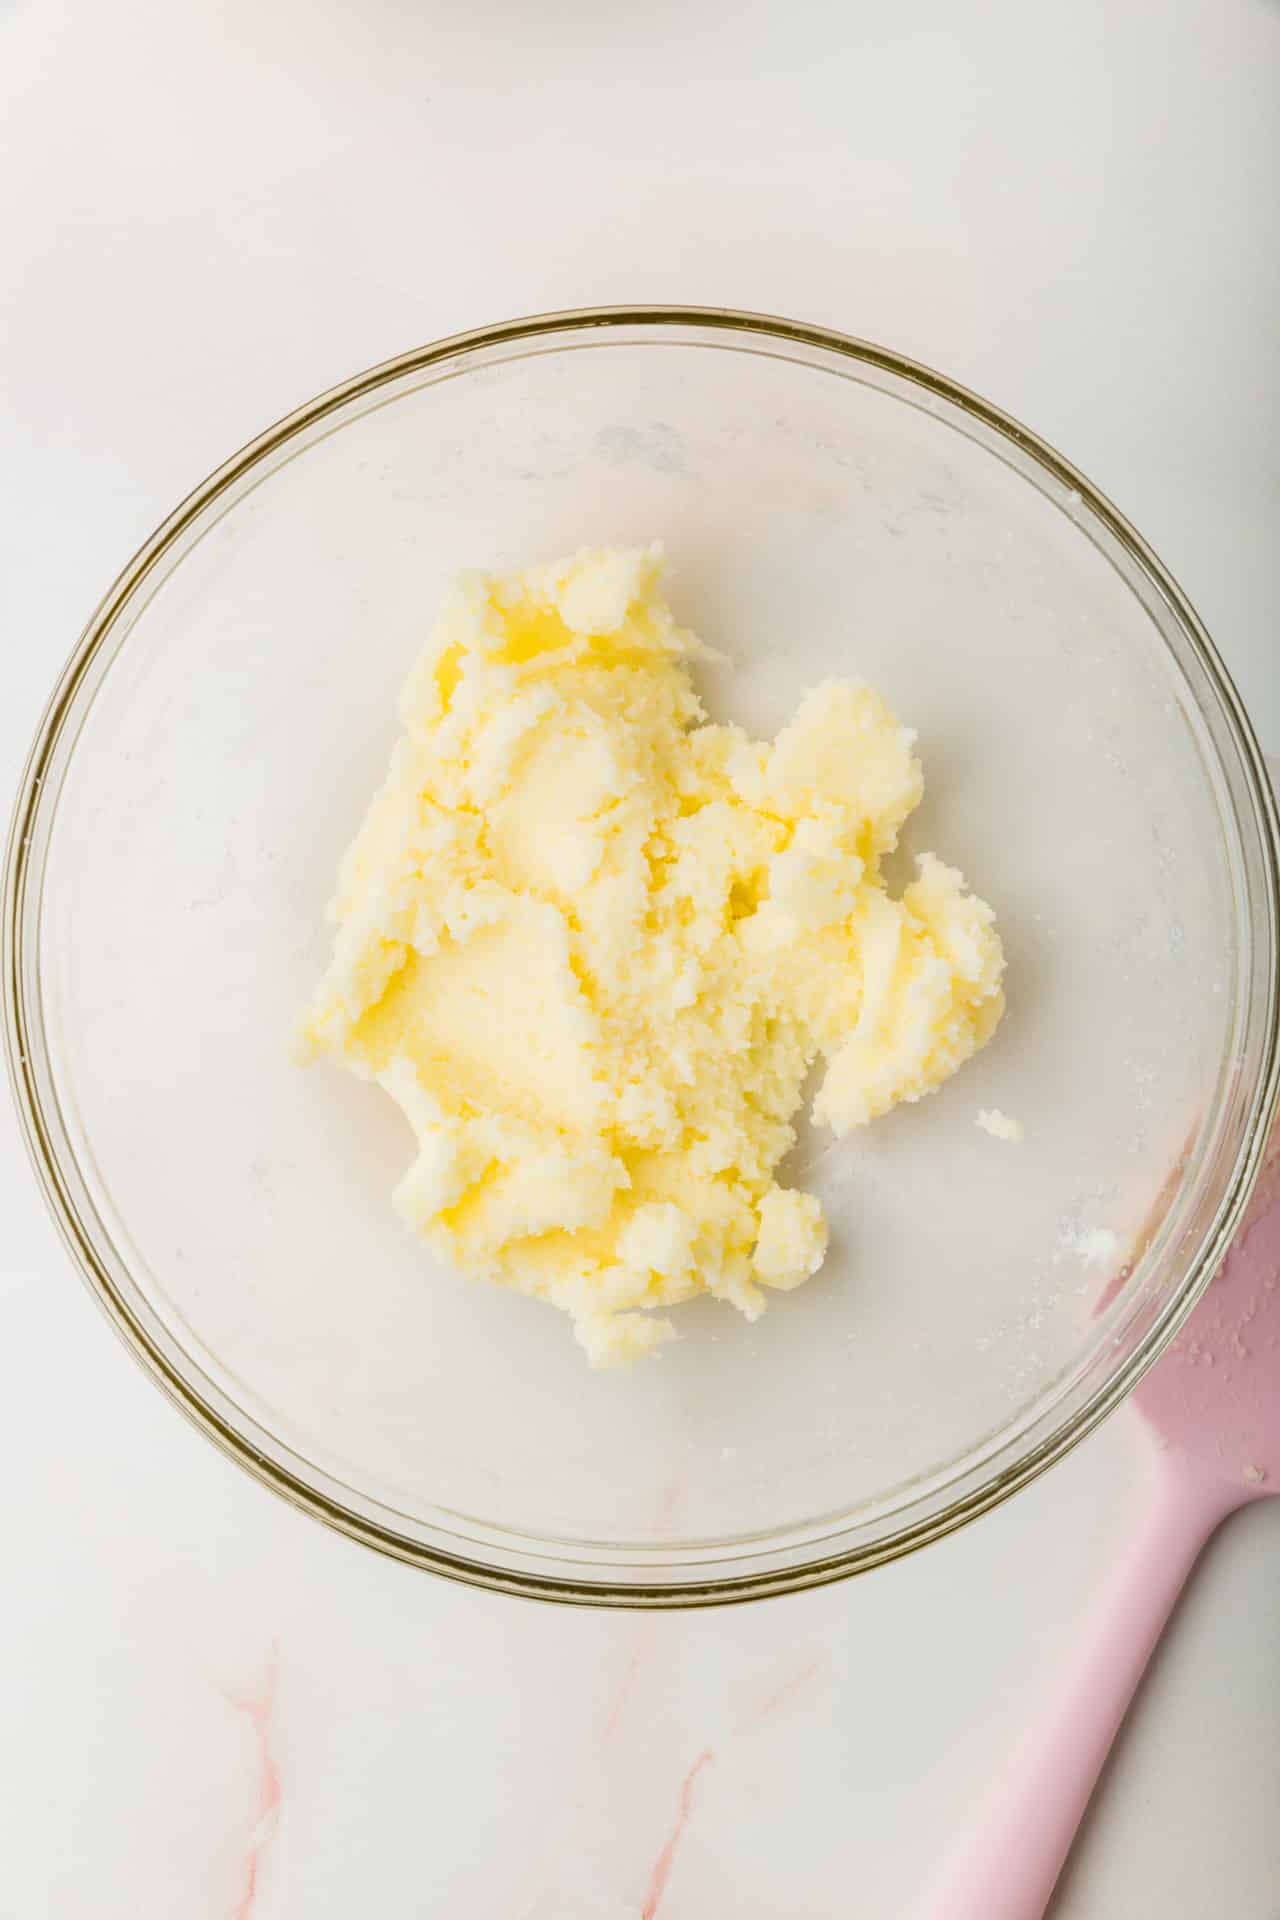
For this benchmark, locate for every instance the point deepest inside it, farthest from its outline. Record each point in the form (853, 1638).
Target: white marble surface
(209, 1707)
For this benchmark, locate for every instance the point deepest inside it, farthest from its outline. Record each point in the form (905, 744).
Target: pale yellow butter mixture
(592, 944)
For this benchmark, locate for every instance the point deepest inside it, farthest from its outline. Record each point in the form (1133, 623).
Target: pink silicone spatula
(1212, 1403)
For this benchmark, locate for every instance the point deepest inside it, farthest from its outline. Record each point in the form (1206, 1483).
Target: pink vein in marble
(259, 1709)
(782, 1692)
(778, 1695)
(662, 1865)
(637, 1658)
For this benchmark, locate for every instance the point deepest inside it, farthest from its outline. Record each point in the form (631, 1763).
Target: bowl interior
(821, 515)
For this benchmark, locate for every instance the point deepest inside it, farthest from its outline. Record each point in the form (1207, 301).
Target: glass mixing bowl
(827, 507)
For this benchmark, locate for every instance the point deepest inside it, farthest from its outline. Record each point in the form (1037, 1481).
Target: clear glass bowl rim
(508, 1570)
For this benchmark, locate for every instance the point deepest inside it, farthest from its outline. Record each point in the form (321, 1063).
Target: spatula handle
(1008, 1867)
